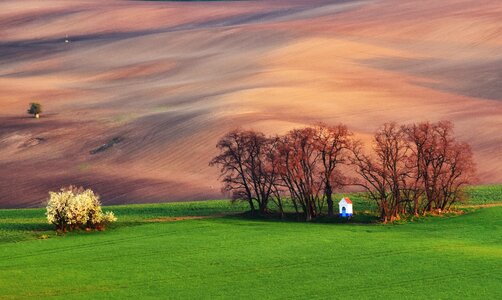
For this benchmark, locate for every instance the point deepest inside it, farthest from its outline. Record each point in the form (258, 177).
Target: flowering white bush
(72, 208)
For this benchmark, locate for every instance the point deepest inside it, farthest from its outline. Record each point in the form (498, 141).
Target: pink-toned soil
(167, 79)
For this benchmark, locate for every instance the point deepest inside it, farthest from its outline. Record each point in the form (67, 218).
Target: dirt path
(482, 205)
(182, 218)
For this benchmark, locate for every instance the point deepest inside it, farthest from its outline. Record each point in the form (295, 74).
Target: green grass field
(234, 257)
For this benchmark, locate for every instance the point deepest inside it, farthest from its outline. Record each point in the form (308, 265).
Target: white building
(345, 207)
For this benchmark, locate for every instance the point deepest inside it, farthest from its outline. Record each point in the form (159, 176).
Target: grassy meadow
(210, 250)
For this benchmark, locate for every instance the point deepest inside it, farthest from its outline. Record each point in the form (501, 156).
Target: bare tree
(246, 167)
(232, 157)
(460, 172)
(273, 167)
(333, 144)
(443, 164)
(299, 169)
(384, 173)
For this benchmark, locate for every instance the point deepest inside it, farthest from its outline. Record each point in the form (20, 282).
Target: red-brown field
(165, 80)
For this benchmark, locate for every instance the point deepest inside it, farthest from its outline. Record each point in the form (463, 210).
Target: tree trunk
(263, 208)
(296, 209)
(415, 207)
(329, 200)
(281, 209)
(308, 211)
(311, 213)
(251, 204)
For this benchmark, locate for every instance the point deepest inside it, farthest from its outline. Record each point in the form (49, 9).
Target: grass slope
(232, 257)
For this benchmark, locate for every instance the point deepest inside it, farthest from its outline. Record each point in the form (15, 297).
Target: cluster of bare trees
(414, 168)
(301, 166)
(411, 169)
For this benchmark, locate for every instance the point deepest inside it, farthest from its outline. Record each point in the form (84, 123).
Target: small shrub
(75, 208)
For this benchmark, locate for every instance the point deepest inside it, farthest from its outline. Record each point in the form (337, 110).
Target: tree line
(407, 170)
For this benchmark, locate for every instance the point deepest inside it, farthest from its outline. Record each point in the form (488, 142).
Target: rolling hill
(136, 99)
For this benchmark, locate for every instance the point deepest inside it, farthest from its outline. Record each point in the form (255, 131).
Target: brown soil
(169, 83)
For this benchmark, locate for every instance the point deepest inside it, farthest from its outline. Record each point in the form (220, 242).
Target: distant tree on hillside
(35, 109)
